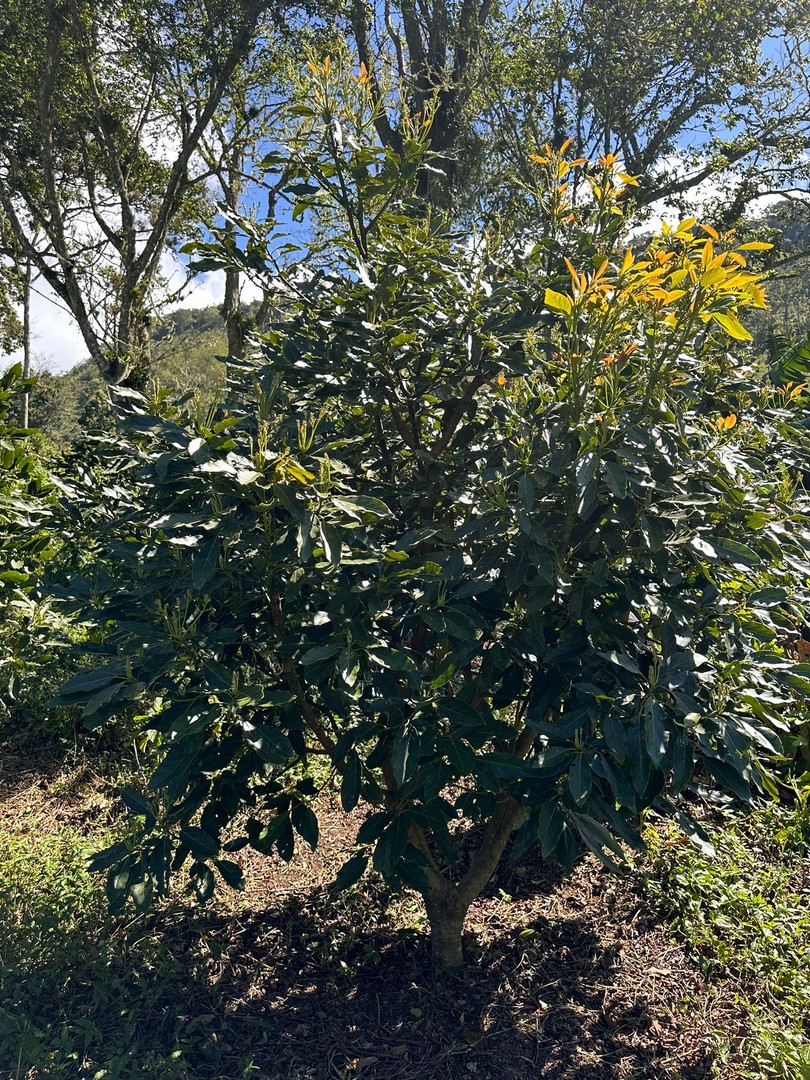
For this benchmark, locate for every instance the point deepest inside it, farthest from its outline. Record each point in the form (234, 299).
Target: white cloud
(56, 342)
(699, 199)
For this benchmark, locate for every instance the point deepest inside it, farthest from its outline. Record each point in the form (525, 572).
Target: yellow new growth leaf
(566, 144)
(628, 260)
(713, 276)
(757, 294)
(725, 423)
(732, 326)
(712, 232)
(558, 302)
(755, 245)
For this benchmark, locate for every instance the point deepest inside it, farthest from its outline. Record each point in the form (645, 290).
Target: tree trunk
(26, 338)
(232, 314)
(446, 914)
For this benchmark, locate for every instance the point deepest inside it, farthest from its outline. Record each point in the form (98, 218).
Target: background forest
(404, 663)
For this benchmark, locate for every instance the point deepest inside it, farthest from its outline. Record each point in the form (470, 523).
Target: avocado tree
(487, 526)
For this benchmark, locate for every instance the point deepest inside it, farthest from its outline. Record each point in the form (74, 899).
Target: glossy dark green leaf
(269, 743)
(404, 755)
(204, 563)
(332, 544)
(579, 779)
(550, 826)
(615, 735)
(655, 732)
(200, 843)
(391, 845)
(203, 879)
(139, 805)
(232, 873)
(305, 823)
(351, 872)
(600, 842)
(350, 781)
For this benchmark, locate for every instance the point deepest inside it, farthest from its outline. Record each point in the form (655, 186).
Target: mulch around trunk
(566, 978)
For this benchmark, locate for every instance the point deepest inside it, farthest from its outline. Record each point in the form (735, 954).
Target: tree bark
(446, 913)
(26, 338)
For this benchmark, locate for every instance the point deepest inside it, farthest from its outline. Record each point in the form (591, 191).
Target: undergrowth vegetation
(745, 914)
(187, 993)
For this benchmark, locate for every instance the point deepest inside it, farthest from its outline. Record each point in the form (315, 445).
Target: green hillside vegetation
(188, 347)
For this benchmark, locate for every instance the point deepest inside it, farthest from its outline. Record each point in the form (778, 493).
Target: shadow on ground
(566, 980)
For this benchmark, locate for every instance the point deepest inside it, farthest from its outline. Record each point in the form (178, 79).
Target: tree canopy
(509, 534)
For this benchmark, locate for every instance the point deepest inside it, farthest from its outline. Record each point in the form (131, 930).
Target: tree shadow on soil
(315, 997)
(317, 987)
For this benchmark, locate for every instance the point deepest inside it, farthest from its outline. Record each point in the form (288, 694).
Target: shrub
(486, 523)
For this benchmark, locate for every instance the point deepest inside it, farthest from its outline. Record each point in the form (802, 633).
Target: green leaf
(332, 545)
(656, 735)
(372, 828)
(616, 479)
(270, 744)
(550, 826)
(403, 760)
(93, 680)
(695, 832)
(231, 873)
(614, 733)
(109, 857)
(305, 823)
(600, 841)
(139, 805)
(175, 766)
(199, 842)
(526, 492)
(362, 508)
(320, 652)
(579, 779)
(517, 568)
(203, 880)
(391, 845)
(204, 563)
(350, 783)
(350, 873)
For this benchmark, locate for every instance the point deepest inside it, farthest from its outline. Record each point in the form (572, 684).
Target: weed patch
(745, 914)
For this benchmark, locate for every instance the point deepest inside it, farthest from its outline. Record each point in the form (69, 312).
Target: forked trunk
(447, 904)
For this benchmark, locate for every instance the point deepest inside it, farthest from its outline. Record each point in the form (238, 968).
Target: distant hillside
(186, 346)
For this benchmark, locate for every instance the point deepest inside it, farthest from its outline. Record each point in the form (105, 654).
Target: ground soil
(566, 978)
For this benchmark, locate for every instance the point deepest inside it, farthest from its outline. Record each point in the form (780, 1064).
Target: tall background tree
(682, 91)
(102, 110)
